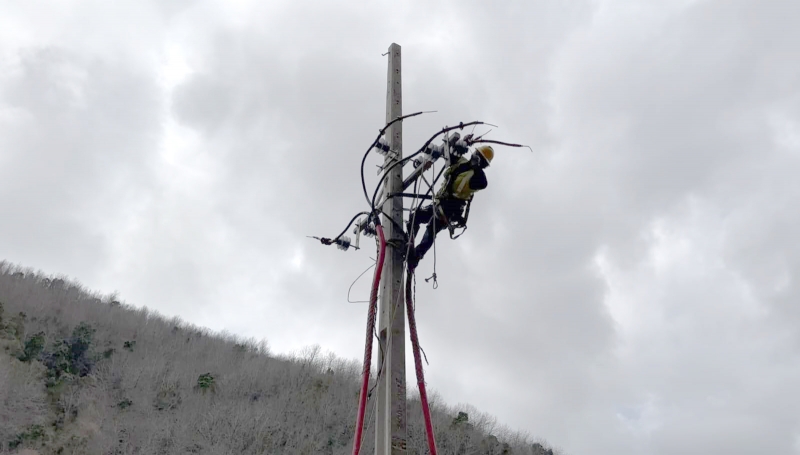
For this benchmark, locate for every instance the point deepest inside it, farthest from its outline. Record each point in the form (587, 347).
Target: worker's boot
(412, 260)
(411, 231)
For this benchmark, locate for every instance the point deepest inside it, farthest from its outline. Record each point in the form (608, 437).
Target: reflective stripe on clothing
(459, 179)
(461, 189)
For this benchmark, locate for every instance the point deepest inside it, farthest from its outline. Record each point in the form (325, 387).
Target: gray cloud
(629, 287)
(79, 131)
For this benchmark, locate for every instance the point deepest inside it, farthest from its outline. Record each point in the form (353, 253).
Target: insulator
(435, 151)
(343, 243)
(382, 146)
(460, 147)
(365, 227)
(453, 138)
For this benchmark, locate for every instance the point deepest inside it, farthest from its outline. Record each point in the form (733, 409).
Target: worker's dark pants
(452, 210)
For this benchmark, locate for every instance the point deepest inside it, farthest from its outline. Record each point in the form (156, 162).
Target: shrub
(206, 382)
(539, 449)
(461, 418)
(124, 403)
(33, 347)
(32, 433)
(70, 357)
(81, 340)
(15, 328)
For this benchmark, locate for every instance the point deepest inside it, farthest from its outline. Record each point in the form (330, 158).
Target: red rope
(412, 325)
(423, 395)
(373, 306)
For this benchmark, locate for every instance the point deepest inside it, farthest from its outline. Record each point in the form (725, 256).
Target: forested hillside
(82, 373)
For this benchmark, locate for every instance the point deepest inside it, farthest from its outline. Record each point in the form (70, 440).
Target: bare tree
(143, 383)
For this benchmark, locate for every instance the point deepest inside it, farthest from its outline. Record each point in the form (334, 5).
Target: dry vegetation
(82, 373)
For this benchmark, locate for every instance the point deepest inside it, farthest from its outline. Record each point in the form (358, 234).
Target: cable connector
(343, 242)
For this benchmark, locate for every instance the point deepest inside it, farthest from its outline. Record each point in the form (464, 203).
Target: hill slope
(82, 373)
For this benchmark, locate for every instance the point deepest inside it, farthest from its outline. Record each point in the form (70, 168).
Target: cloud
(628, 287)
(77, 135)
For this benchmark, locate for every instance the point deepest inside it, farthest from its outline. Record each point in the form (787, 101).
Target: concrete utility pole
(390, 423)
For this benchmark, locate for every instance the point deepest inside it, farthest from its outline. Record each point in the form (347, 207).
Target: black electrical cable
(489, 141)
(433, 184)
(421, 150)
(427, 194)
(395, 223)
(403, 161)
(380, 134)
(350, 224)
(441, 171)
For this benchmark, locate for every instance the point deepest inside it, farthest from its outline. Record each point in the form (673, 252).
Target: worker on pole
(462, 179)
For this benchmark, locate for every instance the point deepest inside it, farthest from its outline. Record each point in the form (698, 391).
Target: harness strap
(452, 230)
(466, 210)
(452, 173)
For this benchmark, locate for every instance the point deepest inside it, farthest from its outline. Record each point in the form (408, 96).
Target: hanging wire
(356, 280)
(371, 409)
(435, 282)
(414, 309)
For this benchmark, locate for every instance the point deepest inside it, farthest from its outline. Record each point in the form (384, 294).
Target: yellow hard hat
(486, 151)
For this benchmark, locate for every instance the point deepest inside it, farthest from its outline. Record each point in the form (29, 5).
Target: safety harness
(447, 192)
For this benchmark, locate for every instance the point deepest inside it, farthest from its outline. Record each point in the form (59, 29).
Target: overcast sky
(630, 287)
